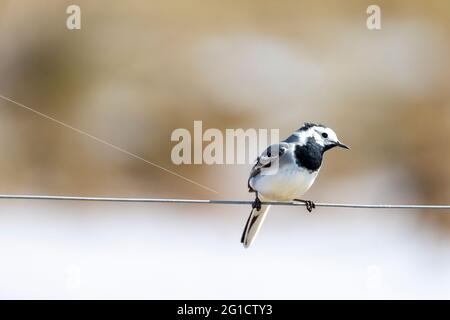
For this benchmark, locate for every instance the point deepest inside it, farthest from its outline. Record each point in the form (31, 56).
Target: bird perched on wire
(285, 171)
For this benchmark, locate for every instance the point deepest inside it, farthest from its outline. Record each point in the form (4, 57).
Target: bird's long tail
(254, 223)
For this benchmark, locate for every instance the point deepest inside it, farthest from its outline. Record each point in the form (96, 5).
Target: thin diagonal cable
(106, 143)
(223, 202)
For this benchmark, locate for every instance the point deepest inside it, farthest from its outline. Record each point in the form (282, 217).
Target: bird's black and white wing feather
(266, 159)
(256, 218)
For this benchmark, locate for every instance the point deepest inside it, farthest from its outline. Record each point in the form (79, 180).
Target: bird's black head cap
(309, 125)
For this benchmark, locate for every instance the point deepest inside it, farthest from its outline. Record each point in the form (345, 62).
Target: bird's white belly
(286, 185)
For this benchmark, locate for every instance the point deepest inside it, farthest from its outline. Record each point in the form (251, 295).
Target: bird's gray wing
(270, 155)
(265, 160)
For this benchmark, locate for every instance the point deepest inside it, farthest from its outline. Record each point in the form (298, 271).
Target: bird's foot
(309, 204)
(256, 204)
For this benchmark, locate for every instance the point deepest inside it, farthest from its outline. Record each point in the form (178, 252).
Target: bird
(286, 170)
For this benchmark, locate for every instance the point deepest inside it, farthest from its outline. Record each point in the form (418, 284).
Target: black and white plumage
(285, 171)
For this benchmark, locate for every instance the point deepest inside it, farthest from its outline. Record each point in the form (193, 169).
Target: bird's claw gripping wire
(256, 204)
(308, 203)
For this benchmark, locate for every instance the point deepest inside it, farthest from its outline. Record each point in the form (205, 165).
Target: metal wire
(225, 202)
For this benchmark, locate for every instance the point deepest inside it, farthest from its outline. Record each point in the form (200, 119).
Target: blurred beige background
(138, 70)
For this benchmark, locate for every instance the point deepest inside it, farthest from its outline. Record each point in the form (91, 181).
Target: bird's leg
(309, 204)
(257, 203)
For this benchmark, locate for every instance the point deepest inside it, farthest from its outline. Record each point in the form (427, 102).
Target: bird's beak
(339, 144)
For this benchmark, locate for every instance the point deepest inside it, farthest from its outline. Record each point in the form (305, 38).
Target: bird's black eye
(325, 135)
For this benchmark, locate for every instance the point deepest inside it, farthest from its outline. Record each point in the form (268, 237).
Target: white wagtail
(285, 171)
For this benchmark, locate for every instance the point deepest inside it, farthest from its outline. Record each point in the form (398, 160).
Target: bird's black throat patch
(310, 155)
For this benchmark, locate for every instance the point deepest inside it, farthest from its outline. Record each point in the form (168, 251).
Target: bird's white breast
(288, 183)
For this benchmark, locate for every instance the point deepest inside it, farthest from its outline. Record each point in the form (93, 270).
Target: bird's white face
(324, 136)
